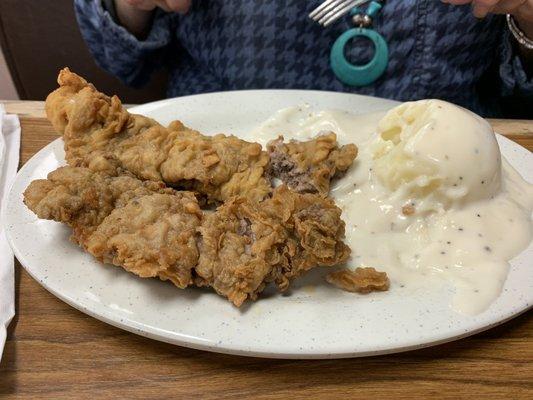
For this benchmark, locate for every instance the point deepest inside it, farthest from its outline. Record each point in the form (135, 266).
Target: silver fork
(331, 10)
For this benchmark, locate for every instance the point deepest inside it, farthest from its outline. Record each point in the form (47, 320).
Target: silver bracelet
(518, 34)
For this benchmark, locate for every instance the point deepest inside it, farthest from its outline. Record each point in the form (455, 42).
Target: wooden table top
(54, 351)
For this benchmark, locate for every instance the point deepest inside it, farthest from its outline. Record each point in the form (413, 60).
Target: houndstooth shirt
(436, 51)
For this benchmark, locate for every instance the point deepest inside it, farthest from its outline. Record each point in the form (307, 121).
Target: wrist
(525, 25)
(523, 40)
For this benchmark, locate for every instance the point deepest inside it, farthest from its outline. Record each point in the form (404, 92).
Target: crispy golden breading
(362, 280)
(309, 167)
(239, 251)
(101, 135)
(154, 235)
(81, 198)
(246, 245)
(115, 198)
(218, 166)
(152, 230)
(315, 231)
(143, 227)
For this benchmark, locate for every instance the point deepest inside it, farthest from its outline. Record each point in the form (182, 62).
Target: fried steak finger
(144, 227)
(246, 245)
(154, 231)
(309, 167)
(100, 134)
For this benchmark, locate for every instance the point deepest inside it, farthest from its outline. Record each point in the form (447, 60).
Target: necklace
(360, 75)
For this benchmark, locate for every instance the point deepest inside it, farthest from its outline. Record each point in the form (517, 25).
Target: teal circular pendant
(359, 75)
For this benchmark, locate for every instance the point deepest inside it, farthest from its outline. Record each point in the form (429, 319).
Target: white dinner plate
(314, 320)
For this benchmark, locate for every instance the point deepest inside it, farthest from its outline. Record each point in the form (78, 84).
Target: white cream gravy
(468, 246)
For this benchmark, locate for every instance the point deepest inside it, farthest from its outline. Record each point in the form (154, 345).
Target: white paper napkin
(9, 159)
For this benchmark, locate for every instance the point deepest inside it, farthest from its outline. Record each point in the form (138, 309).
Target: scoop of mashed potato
(436, 151)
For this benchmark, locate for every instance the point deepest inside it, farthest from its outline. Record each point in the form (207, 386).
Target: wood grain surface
(56, 352)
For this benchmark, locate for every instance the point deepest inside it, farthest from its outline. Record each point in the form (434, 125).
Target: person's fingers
(457, 2)
(162, 4)
(179, 6)
(479, 8)
(519, 8)
(482, 7)
(504, 7)
(146, 5)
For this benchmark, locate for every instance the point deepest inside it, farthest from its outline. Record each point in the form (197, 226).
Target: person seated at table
(436, 49)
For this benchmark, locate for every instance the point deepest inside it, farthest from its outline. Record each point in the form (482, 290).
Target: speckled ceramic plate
(312, 321)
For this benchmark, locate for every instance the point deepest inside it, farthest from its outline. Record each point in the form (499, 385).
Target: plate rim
(134, 107)
(193, 342)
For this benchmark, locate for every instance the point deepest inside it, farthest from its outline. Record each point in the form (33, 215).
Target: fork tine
(338, 12)
(324, 8)
(317, 10)
(333, 10)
